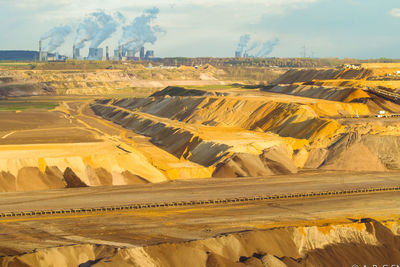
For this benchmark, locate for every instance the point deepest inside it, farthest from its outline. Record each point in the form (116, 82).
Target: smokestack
(73, 52)
(107, 53)
(40, 50)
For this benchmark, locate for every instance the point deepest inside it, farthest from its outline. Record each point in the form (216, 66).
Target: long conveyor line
(201, 202)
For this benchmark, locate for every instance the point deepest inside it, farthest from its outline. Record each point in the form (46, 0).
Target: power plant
(95, 54)
(256, 49)
(107, 53)
(130, 54)
(91, 32)
(76, 52)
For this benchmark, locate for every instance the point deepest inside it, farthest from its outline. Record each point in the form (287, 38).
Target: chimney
(107, 53)
(73, 52)
(40, 50)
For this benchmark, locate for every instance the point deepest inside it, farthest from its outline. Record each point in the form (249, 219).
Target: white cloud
(395, 12)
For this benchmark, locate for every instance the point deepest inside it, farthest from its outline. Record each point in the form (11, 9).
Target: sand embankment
(233, 135)
(53, 166)
(305, 75)
(363, 242)
(101, 81)
(213, 131)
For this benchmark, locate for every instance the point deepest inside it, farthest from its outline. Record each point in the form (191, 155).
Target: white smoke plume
(252, 47)
(264, 49)
(267, 47)
(244, 40)
(96, 28)
(140, 31)
(56, 37)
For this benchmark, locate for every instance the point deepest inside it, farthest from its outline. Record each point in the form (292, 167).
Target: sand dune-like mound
(361, 153)
(25, 89)
(178, 91)
(361, 72)
(210, 130)
(365, 242)
(345, 94)
(386, 147)
(294, 75)
(73, 165)
(286, 119)
(103, 80)
(274, 160)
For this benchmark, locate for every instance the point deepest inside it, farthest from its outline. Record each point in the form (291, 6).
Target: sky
(326, 28)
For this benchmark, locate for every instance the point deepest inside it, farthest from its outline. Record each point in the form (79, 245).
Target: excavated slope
(286, 119)
(102, 81)
(199, 146)
(178, 91)
(25, 89)
(228, 133)
(353, 151)
(364, 76)
(69, 81)
(77, 165)
(342, 94)
(305, 75)
(338, 94)
(246, 136)
(366, 242)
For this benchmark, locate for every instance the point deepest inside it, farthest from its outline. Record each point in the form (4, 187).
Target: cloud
(115, 4)
(395, 12)
(63, 10)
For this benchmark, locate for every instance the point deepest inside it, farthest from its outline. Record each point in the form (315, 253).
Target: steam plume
(252, 47)
(267, 47)
(57, 37)
(244, 40)
(264, 49)
(96, 27)
(140, 31)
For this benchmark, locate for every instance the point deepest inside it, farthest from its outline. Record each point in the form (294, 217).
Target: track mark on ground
(7, 135)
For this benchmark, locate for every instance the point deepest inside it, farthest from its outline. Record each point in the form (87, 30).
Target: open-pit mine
(127, 165)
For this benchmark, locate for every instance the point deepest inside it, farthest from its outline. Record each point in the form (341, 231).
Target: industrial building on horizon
(94, 54)
(240, 54)
(119, 54)
(129, 54)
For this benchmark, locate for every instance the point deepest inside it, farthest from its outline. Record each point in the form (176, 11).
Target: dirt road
(176, 224)
(202, 189)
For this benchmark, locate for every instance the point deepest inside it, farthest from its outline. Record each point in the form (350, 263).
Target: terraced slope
(83, 81)
(237, 136)
(183, 133)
